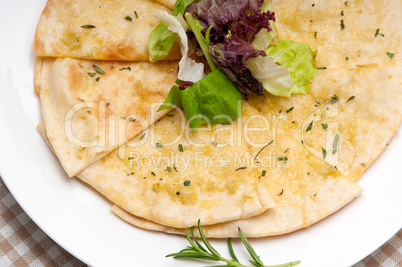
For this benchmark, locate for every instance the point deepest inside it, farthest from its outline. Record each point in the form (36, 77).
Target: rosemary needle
(197, 251)
(263, 149)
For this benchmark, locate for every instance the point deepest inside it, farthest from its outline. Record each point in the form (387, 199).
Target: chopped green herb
(263, 149)
(309, 126)
(92, 74)
(364, 164)
(342, 25)
(153, 173)
(168, 169)
(88, 26)
(159, 145)
(334, 151)
(136, 15)
(325, 126)
(342, 13)
(122, 117)
(335, 144)
(174, 167)
(98, 70)
(128, 68)
(181, 149)
(170, 115)
(97, 79)
(131, 119)
(391, 55)
(289, 110)
(130, 158)
(346, 58)
(263, 173)
(324, 153)
(334, 99)
(187, 183)
(142, 136)
(284, 159)
(322, 68)
(128, 18)
(315, 35)
(350, 98)
(377, 32)
(346, 3)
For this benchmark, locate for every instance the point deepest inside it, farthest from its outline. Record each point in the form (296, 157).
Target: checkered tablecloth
(22, 243)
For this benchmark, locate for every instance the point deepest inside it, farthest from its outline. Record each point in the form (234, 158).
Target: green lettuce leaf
(299, 60)
(274, 78)
(160, 42)
(172, 99)
(161, 38)
(214, 99)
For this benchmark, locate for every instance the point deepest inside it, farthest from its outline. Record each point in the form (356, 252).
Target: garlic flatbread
(174, 176)
(348, 34)
(105, 30)
(88, 113)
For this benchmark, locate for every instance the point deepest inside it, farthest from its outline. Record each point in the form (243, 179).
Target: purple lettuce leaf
(220, 13)
(242, 78)
(234, 26)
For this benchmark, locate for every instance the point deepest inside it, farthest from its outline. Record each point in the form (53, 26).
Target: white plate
(79, 219)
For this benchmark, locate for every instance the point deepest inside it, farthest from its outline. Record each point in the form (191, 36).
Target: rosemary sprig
(197, 251)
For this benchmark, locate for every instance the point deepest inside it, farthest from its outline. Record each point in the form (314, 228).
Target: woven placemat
(23, 243)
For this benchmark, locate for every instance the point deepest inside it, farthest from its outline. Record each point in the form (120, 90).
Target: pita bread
(148, 177)
(318, 24)
(60, 32)
(85, 118)
(301, 197)
(353, 109)
(312, 187)
(276, 221)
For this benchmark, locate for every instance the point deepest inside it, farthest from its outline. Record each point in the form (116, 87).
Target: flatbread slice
(302, 198)
(87, 114)
(344, 33)
(319, 173)
(174, 176)
(106, 30)
(353, 115)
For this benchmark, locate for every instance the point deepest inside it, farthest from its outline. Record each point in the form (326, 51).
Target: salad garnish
(239, 41)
